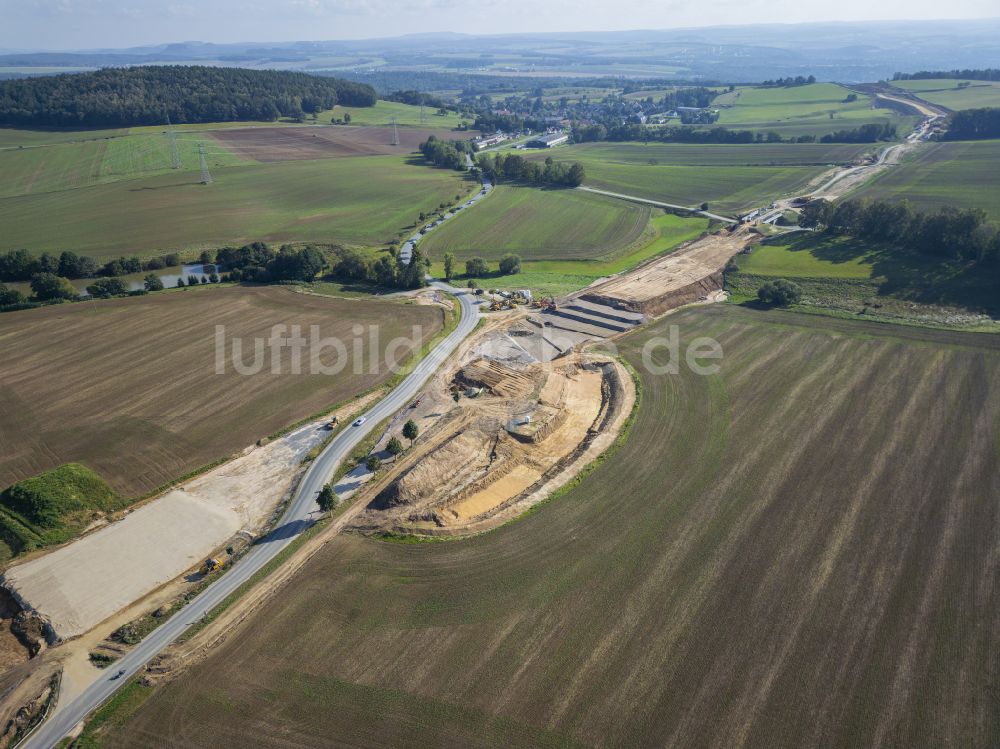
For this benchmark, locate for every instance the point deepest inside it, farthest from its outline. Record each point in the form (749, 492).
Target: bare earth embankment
(798, 551)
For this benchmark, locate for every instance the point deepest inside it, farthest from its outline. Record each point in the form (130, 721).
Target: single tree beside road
(394, 447)
(327, 498)
(373, 464)
(449, 265)
(410, 430)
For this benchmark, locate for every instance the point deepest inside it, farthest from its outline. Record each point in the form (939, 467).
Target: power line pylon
(395, 133)
(423, 116)
(206, 176)
(175, 155)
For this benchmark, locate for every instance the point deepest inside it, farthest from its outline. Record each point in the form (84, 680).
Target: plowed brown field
(800, 551)
(294, 143)
(128, 386)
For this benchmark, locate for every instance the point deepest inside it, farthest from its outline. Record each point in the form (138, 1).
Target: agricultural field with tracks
(356, 201)
(829, 491)
(815, 109)
(730, 178)
(540, 224)
(129, 386)
(957, 173)
(954, 94)
(107, 192)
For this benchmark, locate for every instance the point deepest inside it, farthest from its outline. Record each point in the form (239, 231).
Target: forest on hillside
(149, 95)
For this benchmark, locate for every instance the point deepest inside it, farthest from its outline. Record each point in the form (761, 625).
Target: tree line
(974, 124)
(962, 234)
(512, 167)
(150, 95)
(789, 82)
(629, 131)
(988, 74)
(22, 265)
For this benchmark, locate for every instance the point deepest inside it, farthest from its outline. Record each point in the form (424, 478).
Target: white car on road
(359, 422)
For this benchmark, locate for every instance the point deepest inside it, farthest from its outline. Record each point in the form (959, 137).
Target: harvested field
(291, 143)
(800, 551)
(673, 280)
(128, 386)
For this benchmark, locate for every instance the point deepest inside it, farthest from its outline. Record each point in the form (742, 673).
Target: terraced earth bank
(799, 550)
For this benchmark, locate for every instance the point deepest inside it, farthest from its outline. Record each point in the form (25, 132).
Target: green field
(798, 551)
(961, 174)
(540, 224)
(384, 111)
(949, 94)
(804, 257)
(816, 109)
(556, 277)
(882, 281)
(729, 178)
(64, 166)
(360, 201)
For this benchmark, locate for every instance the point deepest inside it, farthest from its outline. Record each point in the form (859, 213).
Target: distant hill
(148, 95)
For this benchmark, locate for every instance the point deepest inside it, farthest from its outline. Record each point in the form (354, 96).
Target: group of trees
(513, 167)
(789, 82)
(22, 265)
(447, 153)
(149, 95)
(260, 263)
(386, 270)
(779, 292)
(974, 124)
(952, 233)
(871, 133)
(477, 267)
(989, 74)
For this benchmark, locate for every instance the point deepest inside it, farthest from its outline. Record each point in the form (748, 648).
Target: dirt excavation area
(673, 280)
(80, 585)
(518, 429)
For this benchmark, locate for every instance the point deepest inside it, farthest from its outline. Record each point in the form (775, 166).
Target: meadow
(948, 93)
(664, 233)
(129, 388)
(883, 281)
(729, 178)
(540, 224)
(744, 559)
(815, 109)
(961, 174)
(353, 201)
(384, 111)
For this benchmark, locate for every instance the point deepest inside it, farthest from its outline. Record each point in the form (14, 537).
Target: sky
(89, 24)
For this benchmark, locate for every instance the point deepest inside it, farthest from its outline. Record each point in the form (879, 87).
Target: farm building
(547, 141)
(488, 140)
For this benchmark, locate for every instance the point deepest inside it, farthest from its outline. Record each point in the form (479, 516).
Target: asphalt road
(658, 203)
(406, 251)
(300, 514)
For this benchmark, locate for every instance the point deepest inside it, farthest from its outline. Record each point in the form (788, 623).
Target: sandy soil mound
(491, 456)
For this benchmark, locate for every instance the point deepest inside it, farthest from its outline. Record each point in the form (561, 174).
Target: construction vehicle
(211, 565)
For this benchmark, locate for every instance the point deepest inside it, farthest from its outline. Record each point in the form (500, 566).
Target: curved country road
(298, 517)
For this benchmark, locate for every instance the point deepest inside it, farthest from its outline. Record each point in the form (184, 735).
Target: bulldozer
(210, 565)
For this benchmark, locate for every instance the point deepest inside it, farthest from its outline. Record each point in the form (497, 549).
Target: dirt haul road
(297, 518)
